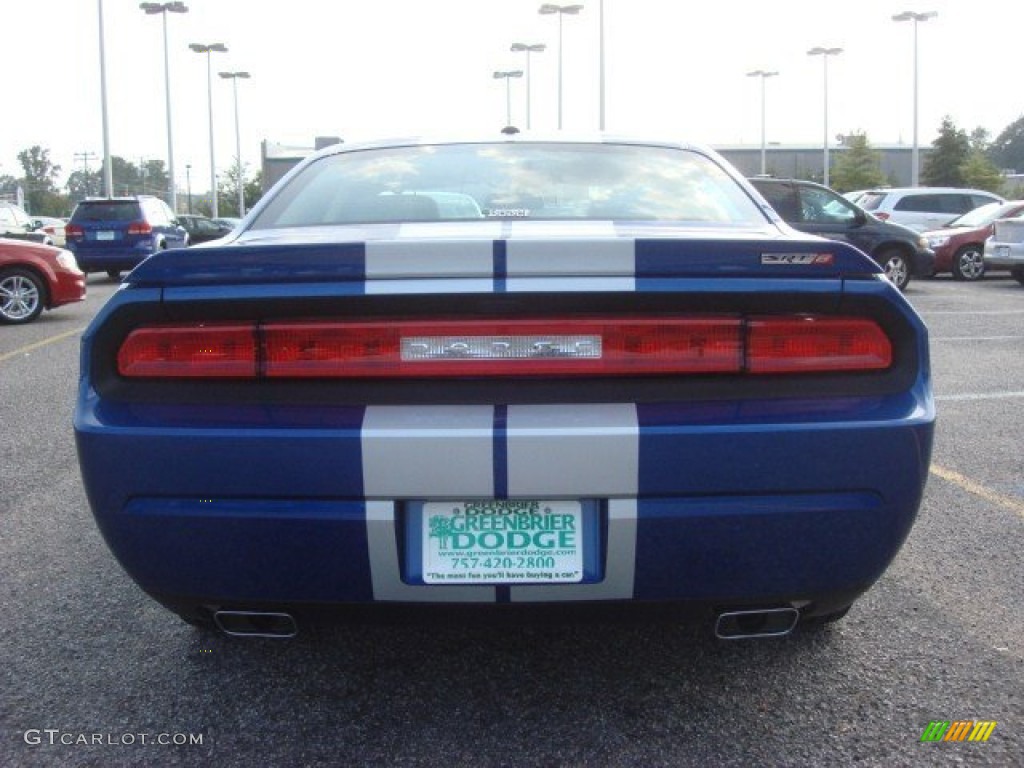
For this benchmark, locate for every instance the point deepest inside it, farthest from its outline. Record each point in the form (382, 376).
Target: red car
(34, 277)
(960, 245)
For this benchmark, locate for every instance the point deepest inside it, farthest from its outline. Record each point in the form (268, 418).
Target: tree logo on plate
(441, 529)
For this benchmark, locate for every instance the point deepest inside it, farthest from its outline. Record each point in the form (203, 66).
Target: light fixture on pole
(209, 48)
(528, 48)
(915, 155)
(163, 9)
(234, 77)
(572, 10)
(825, 53)
(764, 76)
(507, 76)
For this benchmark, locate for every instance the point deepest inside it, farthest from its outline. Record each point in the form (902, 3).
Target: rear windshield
(106, 211)
(511, 181)
(870, 201)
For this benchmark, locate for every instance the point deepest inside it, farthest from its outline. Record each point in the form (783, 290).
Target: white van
(923, 208)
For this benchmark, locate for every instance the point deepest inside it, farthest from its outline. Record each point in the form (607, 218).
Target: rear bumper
(1004, 255)
(718, 503)
(93, 258)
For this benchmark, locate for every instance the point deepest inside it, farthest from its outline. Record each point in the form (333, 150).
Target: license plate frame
(512, 544)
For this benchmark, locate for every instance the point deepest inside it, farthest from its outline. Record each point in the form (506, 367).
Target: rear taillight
(73, 232)
(881, 215)
(816, 344)
(195, 351)
(140, 228)
(401, 348)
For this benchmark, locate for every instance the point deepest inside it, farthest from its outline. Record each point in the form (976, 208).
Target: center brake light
(474, 347)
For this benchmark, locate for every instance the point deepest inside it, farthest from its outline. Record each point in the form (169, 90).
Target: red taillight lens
(816, 344)
(73, 232)
(508, 348)
(558, 347)
(881, 215)
(140, 228)
(201, 351)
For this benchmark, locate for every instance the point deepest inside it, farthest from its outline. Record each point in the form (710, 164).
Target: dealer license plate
(517, 542)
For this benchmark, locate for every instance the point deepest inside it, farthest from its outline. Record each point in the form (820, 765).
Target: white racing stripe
(423, 452)
(559, 451)
(580, 451)
(395, 259)
(611, 259)
(385, 573)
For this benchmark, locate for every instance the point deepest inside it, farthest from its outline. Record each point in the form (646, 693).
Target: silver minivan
(923, 208)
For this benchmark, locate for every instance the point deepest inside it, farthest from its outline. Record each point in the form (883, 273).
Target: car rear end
(109, 235)
(1005, 249)
(506, 414)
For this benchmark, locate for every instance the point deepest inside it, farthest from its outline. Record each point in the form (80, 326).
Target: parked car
(34, 277)
(202, 229)
(924, 208)
(960, 246)
(16, 224)
(628, 381)
(52, 226)
(114, 234)
(818, 210)
(227, 221)
(1005, 249)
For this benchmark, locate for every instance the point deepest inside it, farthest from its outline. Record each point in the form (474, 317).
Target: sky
(361, 69)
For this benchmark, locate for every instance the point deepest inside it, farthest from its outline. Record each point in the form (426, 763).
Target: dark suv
(815, 209)
(114, 234)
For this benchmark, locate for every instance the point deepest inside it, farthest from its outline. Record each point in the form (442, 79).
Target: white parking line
(32, 347)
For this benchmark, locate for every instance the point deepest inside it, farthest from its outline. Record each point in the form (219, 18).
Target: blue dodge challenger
(514, 371)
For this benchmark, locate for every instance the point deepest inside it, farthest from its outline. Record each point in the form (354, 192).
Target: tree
(40, 182)
(227, 190)
(950, 150)
(1007, 151)
(83, 184)
(858, 167)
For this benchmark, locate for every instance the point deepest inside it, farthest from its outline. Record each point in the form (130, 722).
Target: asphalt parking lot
(96, 674)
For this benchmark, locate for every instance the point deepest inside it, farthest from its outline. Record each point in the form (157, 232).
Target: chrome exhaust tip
(767, 622)
(256, 624)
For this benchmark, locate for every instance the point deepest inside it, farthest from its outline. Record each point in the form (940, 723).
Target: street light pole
(208, 49)
(188, 185)
(108, 175)
(234, 76)
(915, 155)
(163, 9)
(600, 121)
(546, 10)
(764, 155)
(528, 48)
(825, 53)
(507, 77)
